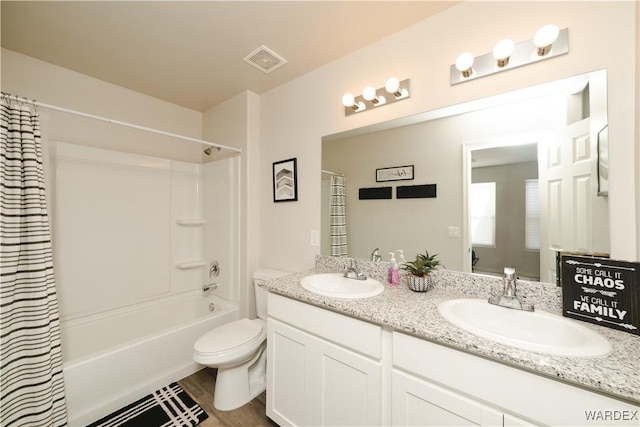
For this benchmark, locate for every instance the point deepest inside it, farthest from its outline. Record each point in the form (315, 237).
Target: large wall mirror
(516, 180)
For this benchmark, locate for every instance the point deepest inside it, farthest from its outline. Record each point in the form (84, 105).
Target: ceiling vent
(264, 59)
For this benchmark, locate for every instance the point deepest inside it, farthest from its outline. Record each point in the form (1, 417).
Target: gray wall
(435, 149)
(510, 220)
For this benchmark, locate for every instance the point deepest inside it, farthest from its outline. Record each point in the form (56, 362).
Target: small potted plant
(419, 270)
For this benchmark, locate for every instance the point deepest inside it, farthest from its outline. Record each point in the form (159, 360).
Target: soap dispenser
(401, 259)
(394, 273)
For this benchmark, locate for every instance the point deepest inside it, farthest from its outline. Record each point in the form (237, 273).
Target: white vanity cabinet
(323, 368)
(326, 368)
(436, 385)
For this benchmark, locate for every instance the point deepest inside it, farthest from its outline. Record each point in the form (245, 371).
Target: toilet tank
(260, 276)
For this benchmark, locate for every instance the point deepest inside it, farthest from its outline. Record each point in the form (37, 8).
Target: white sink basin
(337, 286)
(537, 331)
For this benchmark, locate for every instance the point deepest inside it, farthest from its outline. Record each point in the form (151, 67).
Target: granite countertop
(416, 313)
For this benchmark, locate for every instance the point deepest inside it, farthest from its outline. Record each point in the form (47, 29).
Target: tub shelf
(191, 222)
(188, 265)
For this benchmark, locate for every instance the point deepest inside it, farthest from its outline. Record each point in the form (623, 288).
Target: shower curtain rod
(118, 122)
(330, 173)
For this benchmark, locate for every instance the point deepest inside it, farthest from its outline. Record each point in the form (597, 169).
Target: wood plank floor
(200, 387)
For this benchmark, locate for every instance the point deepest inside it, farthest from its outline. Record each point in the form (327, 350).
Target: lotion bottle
(401, 259)
(394, 273)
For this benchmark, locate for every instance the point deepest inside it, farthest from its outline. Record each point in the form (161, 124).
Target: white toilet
(238, 350)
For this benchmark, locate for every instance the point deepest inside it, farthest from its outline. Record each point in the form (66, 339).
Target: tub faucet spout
(213, 286)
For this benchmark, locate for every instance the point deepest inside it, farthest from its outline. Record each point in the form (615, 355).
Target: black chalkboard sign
(602, 291)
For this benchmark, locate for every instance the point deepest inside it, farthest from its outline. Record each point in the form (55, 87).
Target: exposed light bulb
(544, 38)
(392, 85)
(502, 51)
(348, 100)
(464, 63)
(369, 93)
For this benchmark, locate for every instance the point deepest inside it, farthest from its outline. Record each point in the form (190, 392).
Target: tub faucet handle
(214, 269)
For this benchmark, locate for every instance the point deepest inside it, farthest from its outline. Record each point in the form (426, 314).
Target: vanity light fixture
(372, 98)
(548, 42)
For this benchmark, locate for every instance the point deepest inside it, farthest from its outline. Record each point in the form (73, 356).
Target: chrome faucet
(353, 269)
(375, 256)
(509, 298)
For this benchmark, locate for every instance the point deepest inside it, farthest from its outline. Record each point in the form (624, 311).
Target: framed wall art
(285, 181)
(396, 173)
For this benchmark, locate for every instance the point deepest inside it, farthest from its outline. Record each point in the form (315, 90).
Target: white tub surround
(133, 237)
(129, 228)
(402, 310)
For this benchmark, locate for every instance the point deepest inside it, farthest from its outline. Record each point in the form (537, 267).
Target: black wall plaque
(602, 291)
(375, 193)
(416, 191)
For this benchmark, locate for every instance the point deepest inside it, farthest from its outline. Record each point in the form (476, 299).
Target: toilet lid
(228, 336)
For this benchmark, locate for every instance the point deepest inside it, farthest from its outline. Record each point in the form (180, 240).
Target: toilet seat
(236, 337)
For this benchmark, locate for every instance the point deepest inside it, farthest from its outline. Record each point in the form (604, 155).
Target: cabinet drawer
(346, 331)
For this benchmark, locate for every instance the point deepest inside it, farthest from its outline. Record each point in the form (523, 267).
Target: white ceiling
(504, 155)
(190, 53)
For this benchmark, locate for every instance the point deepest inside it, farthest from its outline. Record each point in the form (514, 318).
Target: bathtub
(111, 359)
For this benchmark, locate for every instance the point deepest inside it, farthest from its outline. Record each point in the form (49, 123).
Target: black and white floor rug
(169, 406)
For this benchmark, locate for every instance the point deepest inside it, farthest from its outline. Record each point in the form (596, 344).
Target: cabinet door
(289, 365)
(513, 421)
(415, 402)
(348, 391)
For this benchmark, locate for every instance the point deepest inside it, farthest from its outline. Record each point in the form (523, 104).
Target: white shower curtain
(338, 216)
(31, 359)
